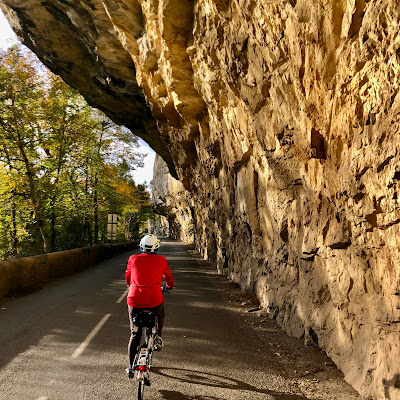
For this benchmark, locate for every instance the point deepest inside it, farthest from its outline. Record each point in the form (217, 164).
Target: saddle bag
(145, 319)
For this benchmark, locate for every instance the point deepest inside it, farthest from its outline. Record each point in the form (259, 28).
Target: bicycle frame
(142, 362)
(144, 353)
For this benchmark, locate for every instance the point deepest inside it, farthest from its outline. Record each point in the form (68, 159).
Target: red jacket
(143, 274)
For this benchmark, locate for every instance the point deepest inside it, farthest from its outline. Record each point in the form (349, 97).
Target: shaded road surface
(68, 341)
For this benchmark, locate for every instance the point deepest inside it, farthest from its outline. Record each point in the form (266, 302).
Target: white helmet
(149, 244)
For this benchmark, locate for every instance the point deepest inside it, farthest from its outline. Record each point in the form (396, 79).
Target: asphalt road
(68, 341)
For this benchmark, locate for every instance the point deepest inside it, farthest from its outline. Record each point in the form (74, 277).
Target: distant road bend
(68, 342)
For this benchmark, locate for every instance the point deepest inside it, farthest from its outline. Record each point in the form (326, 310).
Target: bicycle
(147, 321)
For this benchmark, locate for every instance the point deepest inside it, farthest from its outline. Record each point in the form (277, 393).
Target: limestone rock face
(172, 202)
(281, 120)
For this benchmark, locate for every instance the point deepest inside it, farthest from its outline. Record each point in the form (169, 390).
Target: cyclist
(143, 275)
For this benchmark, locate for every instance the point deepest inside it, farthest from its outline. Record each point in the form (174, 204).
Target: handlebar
(166, 289)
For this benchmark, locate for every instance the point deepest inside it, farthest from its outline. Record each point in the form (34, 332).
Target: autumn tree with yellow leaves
(63, 165)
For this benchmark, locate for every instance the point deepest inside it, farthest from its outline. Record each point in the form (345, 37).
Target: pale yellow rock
(281, 120)
(172, 202)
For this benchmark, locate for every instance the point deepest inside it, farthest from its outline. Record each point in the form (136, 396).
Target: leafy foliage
(63, 165)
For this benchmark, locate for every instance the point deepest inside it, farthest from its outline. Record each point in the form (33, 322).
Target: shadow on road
(66, 309)
(213, 380)
(172, 395)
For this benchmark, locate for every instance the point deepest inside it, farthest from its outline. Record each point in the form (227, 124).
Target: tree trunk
(33, 196)
(53, 233)
(14, 238)
(53, 216)
(87, 226)
(95, 199)
(96, 212)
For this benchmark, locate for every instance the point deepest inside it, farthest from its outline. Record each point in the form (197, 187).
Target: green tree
(20, 96)
(63, 165)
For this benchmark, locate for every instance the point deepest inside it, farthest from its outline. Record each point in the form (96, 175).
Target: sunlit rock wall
(172, 202)
(159, 226)
(281, 120)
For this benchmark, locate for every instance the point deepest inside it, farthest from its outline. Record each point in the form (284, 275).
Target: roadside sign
(112, 227)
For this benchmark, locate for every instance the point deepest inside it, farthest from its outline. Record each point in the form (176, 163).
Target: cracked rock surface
(173, 203)
(281, 119)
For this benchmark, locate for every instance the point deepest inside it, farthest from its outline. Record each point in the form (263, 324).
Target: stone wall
(280, 118)
(30, 273)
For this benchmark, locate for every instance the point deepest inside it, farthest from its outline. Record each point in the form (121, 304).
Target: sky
(140, 175)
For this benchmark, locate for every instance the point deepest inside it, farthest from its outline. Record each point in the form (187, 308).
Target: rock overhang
(280, 118)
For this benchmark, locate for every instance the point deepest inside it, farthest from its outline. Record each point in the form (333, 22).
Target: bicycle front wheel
(140, 390)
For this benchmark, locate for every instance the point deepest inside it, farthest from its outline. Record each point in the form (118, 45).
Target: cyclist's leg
(160, 314)
(136, 334)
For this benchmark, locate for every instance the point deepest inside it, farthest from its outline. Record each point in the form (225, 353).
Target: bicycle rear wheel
(141, 390)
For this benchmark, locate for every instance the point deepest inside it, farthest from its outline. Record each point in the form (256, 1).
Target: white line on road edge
(122, 296)
(90, 337)
(42, 398)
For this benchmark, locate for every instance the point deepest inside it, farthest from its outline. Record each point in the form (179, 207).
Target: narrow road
(68, 341)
